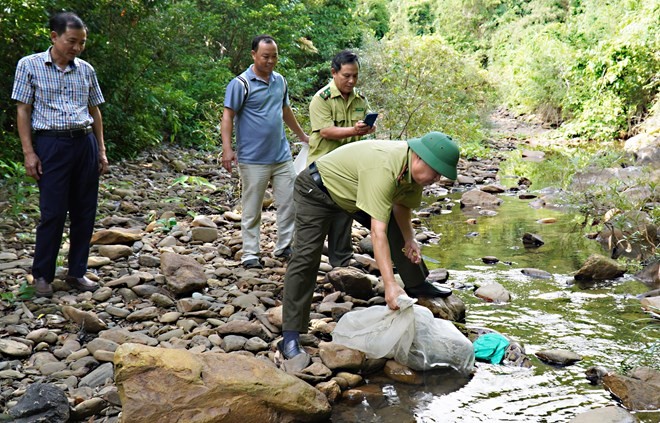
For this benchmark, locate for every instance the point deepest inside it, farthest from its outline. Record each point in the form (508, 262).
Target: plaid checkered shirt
(60, 98)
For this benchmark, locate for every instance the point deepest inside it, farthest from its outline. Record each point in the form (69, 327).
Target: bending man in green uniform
(336, 114)
(378, 183)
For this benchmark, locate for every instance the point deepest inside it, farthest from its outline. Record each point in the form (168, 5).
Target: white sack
(300, 162)
(411, 336)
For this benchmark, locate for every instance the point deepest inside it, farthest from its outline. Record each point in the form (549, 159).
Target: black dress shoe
(290, 349)
(252, 264)
(285, 254)
(427, 289)
(42, 288)
(82, 284)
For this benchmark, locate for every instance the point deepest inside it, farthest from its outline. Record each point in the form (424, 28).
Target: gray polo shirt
(260, 137)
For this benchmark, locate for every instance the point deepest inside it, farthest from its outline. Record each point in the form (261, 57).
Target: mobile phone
(370, 119)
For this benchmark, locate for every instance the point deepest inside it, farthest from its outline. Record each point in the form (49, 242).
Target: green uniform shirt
(371, 175)
(328, 108)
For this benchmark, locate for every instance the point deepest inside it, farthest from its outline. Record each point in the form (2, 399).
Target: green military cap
(437, 150)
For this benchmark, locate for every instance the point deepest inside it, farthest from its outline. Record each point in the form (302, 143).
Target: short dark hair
(344, 57)
(63, 20)
(267, 39)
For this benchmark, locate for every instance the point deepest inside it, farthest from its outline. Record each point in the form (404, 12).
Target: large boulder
(599, 268)
(650, 275)
(183, 273)
(174, 385)
(639, 391)
(477, 198)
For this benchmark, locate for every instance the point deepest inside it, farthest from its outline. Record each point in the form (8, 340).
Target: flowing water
(602, 323)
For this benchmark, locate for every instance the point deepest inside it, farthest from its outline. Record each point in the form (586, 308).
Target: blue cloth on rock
(490, 347)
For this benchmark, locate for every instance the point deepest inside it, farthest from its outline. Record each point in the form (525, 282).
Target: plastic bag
(411, 336)
(300, 161)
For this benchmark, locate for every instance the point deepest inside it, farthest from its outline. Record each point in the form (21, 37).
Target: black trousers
(69, 184)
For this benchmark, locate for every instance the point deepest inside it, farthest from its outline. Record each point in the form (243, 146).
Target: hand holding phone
(370, 119)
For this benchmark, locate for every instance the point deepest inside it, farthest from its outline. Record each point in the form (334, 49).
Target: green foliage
(649, 354)
(375, 15)
(25, 292)
(419, 84)
(163, 66)
(588, 65)
(188, 181)
(166, 224)
(593, 64)
(18, 188)
(22, 32)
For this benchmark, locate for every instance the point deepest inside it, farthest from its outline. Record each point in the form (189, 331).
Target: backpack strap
(246, 88)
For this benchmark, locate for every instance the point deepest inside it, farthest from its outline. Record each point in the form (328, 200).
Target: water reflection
(603, 323)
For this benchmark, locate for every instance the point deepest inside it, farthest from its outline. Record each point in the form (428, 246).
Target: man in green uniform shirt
(378, 183)
(336, 114)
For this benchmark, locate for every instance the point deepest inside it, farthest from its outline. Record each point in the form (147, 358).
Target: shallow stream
(602, 323)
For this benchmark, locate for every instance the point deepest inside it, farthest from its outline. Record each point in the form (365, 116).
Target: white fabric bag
(300, 162)
(411, 336)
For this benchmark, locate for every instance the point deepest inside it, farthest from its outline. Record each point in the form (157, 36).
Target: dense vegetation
(587, 66)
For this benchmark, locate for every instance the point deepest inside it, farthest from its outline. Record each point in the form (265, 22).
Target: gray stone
(88, 408)
(532, 240)
(147, 313)
(256, 344)
(14, 348)
(610, 414)
(558, 357)
(233, 343)
(536, 273)
(161, 300)
(99, 376)
(204, 234)
(102, 294)
(352, 281)
(42, 335)
(148, 260)
(493, 292)
(101, 344)
(88, 320)
(183, 274)
(130, 281)
(41, 403)
(146, 291)
(114, 252)
(336, 356)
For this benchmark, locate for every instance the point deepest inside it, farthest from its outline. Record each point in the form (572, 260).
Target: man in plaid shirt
(61, 133)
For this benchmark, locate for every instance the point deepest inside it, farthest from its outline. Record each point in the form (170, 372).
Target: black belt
(316, 176)
(65, 133)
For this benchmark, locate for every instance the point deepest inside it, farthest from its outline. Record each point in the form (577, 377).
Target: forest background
(589, 68)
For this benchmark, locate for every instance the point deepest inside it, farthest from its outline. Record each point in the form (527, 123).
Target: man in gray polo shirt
(258, 102)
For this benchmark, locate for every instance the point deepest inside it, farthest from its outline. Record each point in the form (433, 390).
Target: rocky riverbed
(166, 252)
